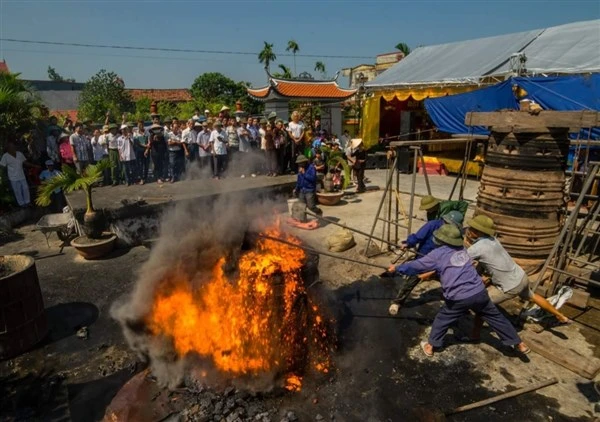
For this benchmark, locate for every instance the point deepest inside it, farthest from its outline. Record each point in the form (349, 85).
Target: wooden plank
(545, 119)
(561, 354)
(579, 299)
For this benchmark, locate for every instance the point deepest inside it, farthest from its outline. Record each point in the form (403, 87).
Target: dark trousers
(129, 168)
(220, 165)
(116, 171)
(205, 162)
(176, 164)
(360, 178)
(296, 151)
(232, 161)
(193, 154)
(479, 303)
(143, 163)
(310, 199)
(158, 159)
(280, 152)
(287, 158)
(271, 161)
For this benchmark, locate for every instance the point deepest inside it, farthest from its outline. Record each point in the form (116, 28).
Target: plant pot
(22, 317)
(93, 224)
(329, 198)
(94, 248)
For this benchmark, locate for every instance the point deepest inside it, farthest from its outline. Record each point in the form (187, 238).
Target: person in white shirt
(188, 137)
(296, 132)
(127, 154)
(177, 152)
(99, 151)
(80, 145)
(116, 172)
(14, 161)
(344, 140)
(52, 144)
(218, 141)
(204, 148)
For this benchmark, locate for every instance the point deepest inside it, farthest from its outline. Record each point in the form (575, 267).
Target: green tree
(69, 180)
(285, 73)
(267, 55)
(53, 75)
(403, 47)
(142, 109)
(294, 48)
(167, 109)
(215, 88)
(20, 107)
(105, 91)
(320, 67)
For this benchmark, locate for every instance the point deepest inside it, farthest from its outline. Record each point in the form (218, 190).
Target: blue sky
(322, 28)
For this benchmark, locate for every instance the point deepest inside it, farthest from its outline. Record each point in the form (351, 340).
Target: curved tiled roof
(302, 89)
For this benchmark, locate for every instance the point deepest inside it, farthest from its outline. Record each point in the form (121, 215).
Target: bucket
(291, 203)
(22, 316)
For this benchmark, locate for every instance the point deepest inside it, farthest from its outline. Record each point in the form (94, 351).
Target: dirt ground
(380, 373)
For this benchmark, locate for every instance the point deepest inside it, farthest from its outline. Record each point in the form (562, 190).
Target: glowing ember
(261, 321)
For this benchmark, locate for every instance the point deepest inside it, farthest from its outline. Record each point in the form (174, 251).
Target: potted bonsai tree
(94, 244)
(335, 160)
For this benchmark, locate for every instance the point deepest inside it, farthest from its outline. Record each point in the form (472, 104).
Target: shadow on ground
(381, 374)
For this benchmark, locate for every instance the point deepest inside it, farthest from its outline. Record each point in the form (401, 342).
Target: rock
(83, 333)
(291, 416)
(229, 391)
(319, 417)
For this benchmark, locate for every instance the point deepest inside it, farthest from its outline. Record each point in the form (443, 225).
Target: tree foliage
(105, 91)
(293, 46)
(53, 75)
(320, 67)
(403, 47)
(285, 73)
(267, 55)
(19, 107)
(217, 89)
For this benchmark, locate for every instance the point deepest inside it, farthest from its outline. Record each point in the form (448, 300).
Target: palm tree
(320, 67)
(286, 73)
(267, 55)
(404, 48)
(294, 48)
(20, 107)
(69, 180)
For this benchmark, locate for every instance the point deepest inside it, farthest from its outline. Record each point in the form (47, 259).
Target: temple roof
(301, 89)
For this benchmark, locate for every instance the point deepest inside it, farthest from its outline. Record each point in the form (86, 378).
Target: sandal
(427, 353)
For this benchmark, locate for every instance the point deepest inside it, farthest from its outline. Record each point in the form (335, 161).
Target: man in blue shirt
(462, 288)
(306, 185)
(423, 238)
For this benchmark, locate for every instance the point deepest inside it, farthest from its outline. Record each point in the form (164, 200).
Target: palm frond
(338, 159)
(47, 188)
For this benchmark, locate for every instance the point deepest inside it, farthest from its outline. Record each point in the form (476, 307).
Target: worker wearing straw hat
(462, 288)
(359, 154)
(508, 280)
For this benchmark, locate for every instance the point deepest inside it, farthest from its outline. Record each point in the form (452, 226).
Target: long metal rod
(349, 228)
(412, 189)
(316, 251)
(387, 189)
(422, 157)
(396, 144)
(579, 277)
(565, 229)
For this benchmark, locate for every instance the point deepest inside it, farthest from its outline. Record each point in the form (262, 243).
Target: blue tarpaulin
(561, 93)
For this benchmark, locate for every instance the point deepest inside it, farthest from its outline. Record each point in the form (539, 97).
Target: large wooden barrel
(522, 189)
(22, 317)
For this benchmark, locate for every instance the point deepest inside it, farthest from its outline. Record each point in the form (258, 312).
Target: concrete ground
(380, 373)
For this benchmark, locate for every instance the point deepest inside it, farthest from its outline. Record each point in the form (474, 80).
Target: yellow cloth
(370, 122)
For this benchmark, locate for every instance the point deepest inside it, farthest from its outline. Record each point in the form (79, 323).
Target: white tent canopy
(570, 48)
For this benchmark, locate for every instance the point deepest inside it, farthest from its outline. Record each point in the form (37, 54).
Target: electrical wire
(176, 50)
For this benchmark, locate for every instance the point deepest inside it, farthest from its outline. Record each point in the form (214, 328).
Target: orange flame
(260, 322)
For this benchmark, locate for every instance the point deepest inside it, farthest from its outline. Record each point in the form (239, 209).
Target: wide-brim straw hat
(105, 128)
(301, 159)
(197, 124)
(428, 202)
(483, 223)
(224, 108)
(354, 143)
(448, 234)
